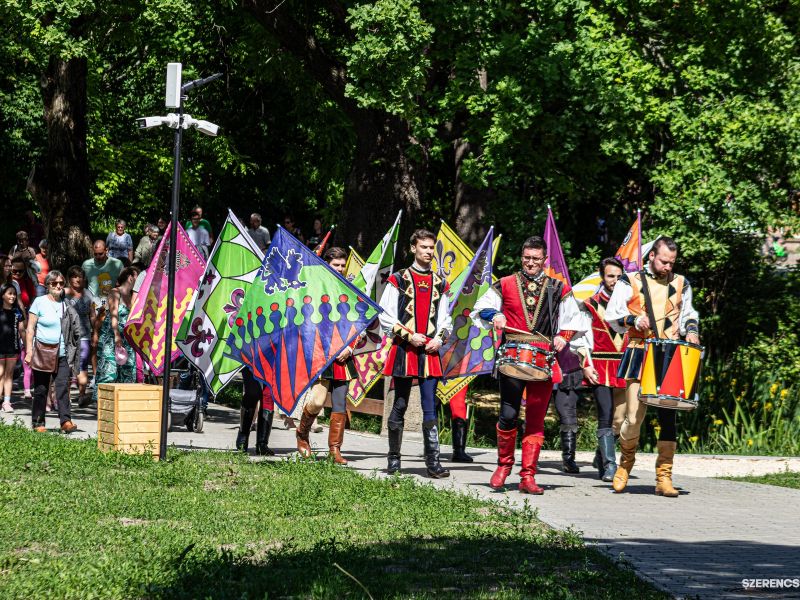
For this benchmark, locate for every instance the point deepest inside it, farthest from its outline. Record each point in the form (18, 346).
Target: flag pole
(170, 266)
(639, 225)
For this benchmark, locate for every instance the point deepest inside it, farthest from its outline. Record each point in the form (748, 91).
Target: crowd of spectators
(57, 329)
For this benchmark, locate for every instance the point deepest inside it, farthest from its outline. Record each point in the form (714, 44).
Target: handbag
(44, 357)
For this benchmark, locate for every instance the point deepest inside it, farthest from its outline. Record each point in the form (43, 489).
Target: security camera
(171, 120)
(205, 127)
(150, 122)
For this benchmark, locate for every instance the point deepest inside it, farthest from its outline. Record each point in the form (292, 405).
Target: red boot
(531, 445)
(506, 444)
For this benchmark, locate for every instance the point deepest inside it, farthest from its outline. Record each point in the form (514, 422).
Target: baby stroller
(185, 400)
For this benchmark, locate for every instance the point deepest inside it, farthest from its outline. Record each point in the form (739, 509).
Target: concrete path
(700, 545)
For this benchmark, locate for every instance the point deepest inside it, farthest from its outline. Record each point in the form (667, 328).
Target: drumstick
(515, 330)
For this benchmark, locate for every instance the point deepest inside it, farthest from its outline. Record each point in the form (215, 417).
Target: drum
(525, 361)
(671, 374)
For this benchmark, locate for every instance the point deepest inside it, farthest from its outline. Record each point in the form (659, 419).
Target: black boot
(395, 442)
(459, 428)
(606, 444)
(430, 435)
(246, 414)
(263, 430)
(568, 464)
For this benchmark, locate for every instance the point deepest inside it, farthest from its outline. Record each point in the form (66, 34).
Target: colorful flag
(554, 266)
(450, 254)
(469, 350)
(232, 266)
(353, 266)
(296, 317)
(372, 278)
(369, 370)
(630, 252)
(146, 326)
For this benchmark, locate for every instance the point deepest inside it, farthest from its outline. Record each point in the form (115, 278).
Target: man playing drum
(526, 307)
(653, 303)
(600, 349)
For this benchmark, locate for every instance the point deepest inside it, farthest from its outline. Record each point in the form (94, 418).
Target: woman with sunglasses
(53, 321)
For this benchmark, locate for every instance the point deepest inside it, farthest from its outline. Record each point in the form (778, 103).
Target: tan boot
(336, 436)
(302, 431)
(627, 450)
(666, 452)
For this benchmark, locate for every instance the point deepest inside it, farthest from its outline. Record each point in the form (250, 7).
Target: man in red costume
(335, 381)
(417, 315)
(600, 348)
(530, 303)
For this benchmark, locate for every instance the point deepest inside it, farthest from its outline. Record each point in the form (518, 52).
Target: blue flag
(295, 318)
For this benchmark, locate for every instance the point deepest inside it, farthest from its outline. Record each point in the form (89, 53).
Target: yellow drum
(671, 374)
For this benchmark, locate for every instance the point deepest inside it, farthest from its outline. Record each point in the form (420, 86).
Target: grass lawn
(786, 479)
(76, 523)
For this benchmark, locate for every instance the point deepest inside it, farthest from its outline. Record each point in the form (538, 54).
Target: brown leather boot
(666, 452)
(302, 431)
(627, 452)
(336, 436)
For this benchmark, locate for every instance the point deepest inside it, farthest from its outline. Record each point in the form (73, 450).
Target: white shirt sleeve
(582, 342)
(688, 313)
(618, 306)
(388, 302)
(490, 299)
(444, 321)
(569, 314)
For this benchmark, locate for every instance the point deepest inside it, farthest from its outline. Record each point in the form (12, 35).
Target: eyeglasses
(533, 259)
(57, 284)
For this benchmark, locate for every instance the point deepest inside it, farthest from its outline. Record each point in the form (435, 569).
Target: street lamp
(176, 94)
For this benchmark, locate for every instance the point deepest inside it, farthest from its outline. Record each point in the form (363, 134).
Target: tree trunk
(59, 182)
(471, 203)
(384, 178)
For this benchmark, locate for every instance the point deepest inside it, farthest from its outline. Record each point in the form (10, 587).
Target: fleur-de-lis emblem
(198, 336)
(208, 279)
(444, 260)
(235, 304)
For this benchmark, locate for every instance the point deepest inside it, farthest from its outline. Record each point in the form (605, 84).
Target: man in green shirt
(203, 223)
(101, 271)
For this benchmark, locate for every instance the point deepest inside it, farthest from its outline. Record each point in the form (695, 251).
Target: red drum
(525, 361)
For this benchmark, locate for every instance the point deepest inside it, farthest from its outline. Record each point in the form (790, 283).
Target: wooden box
(129, 417)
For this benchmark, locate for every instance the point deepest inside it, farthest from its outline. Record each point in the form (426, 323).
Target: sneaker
(289, 423)
(27, 395)
(90, 385)
(7, 407)
(84, 400)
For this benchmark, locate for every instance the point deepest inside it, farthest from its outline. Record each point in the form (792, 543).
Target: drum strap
(648, 304)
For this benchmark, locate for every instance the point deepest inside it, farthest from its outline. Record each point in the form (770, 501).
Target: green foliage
(387, 62)
(788, 479)
(210, 524)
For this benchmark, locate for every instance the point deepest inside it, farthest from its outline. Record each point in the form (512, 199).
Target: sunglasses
(57, 284)
(16, 272)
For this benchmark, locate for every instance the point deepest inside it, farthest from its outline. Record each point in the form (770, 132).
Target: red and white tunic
(596, 340)
(415, 301)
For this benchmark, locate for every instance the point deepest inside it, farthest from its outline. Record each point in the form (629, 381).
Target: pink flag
(555, 266)
(146, 326)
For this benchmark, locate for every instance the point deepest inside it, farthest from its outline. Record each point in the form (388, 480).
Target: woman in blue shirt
(53, 321)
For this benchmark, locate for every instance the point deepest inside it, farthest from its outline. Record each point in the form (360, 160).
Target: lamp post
(176, 94)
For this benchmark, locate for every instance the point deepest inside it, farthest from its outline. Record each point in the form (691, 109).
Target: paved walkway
(700, 545)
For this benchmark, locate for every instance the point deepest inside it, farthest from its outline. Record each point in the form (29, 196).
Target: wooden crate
(129, 417)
